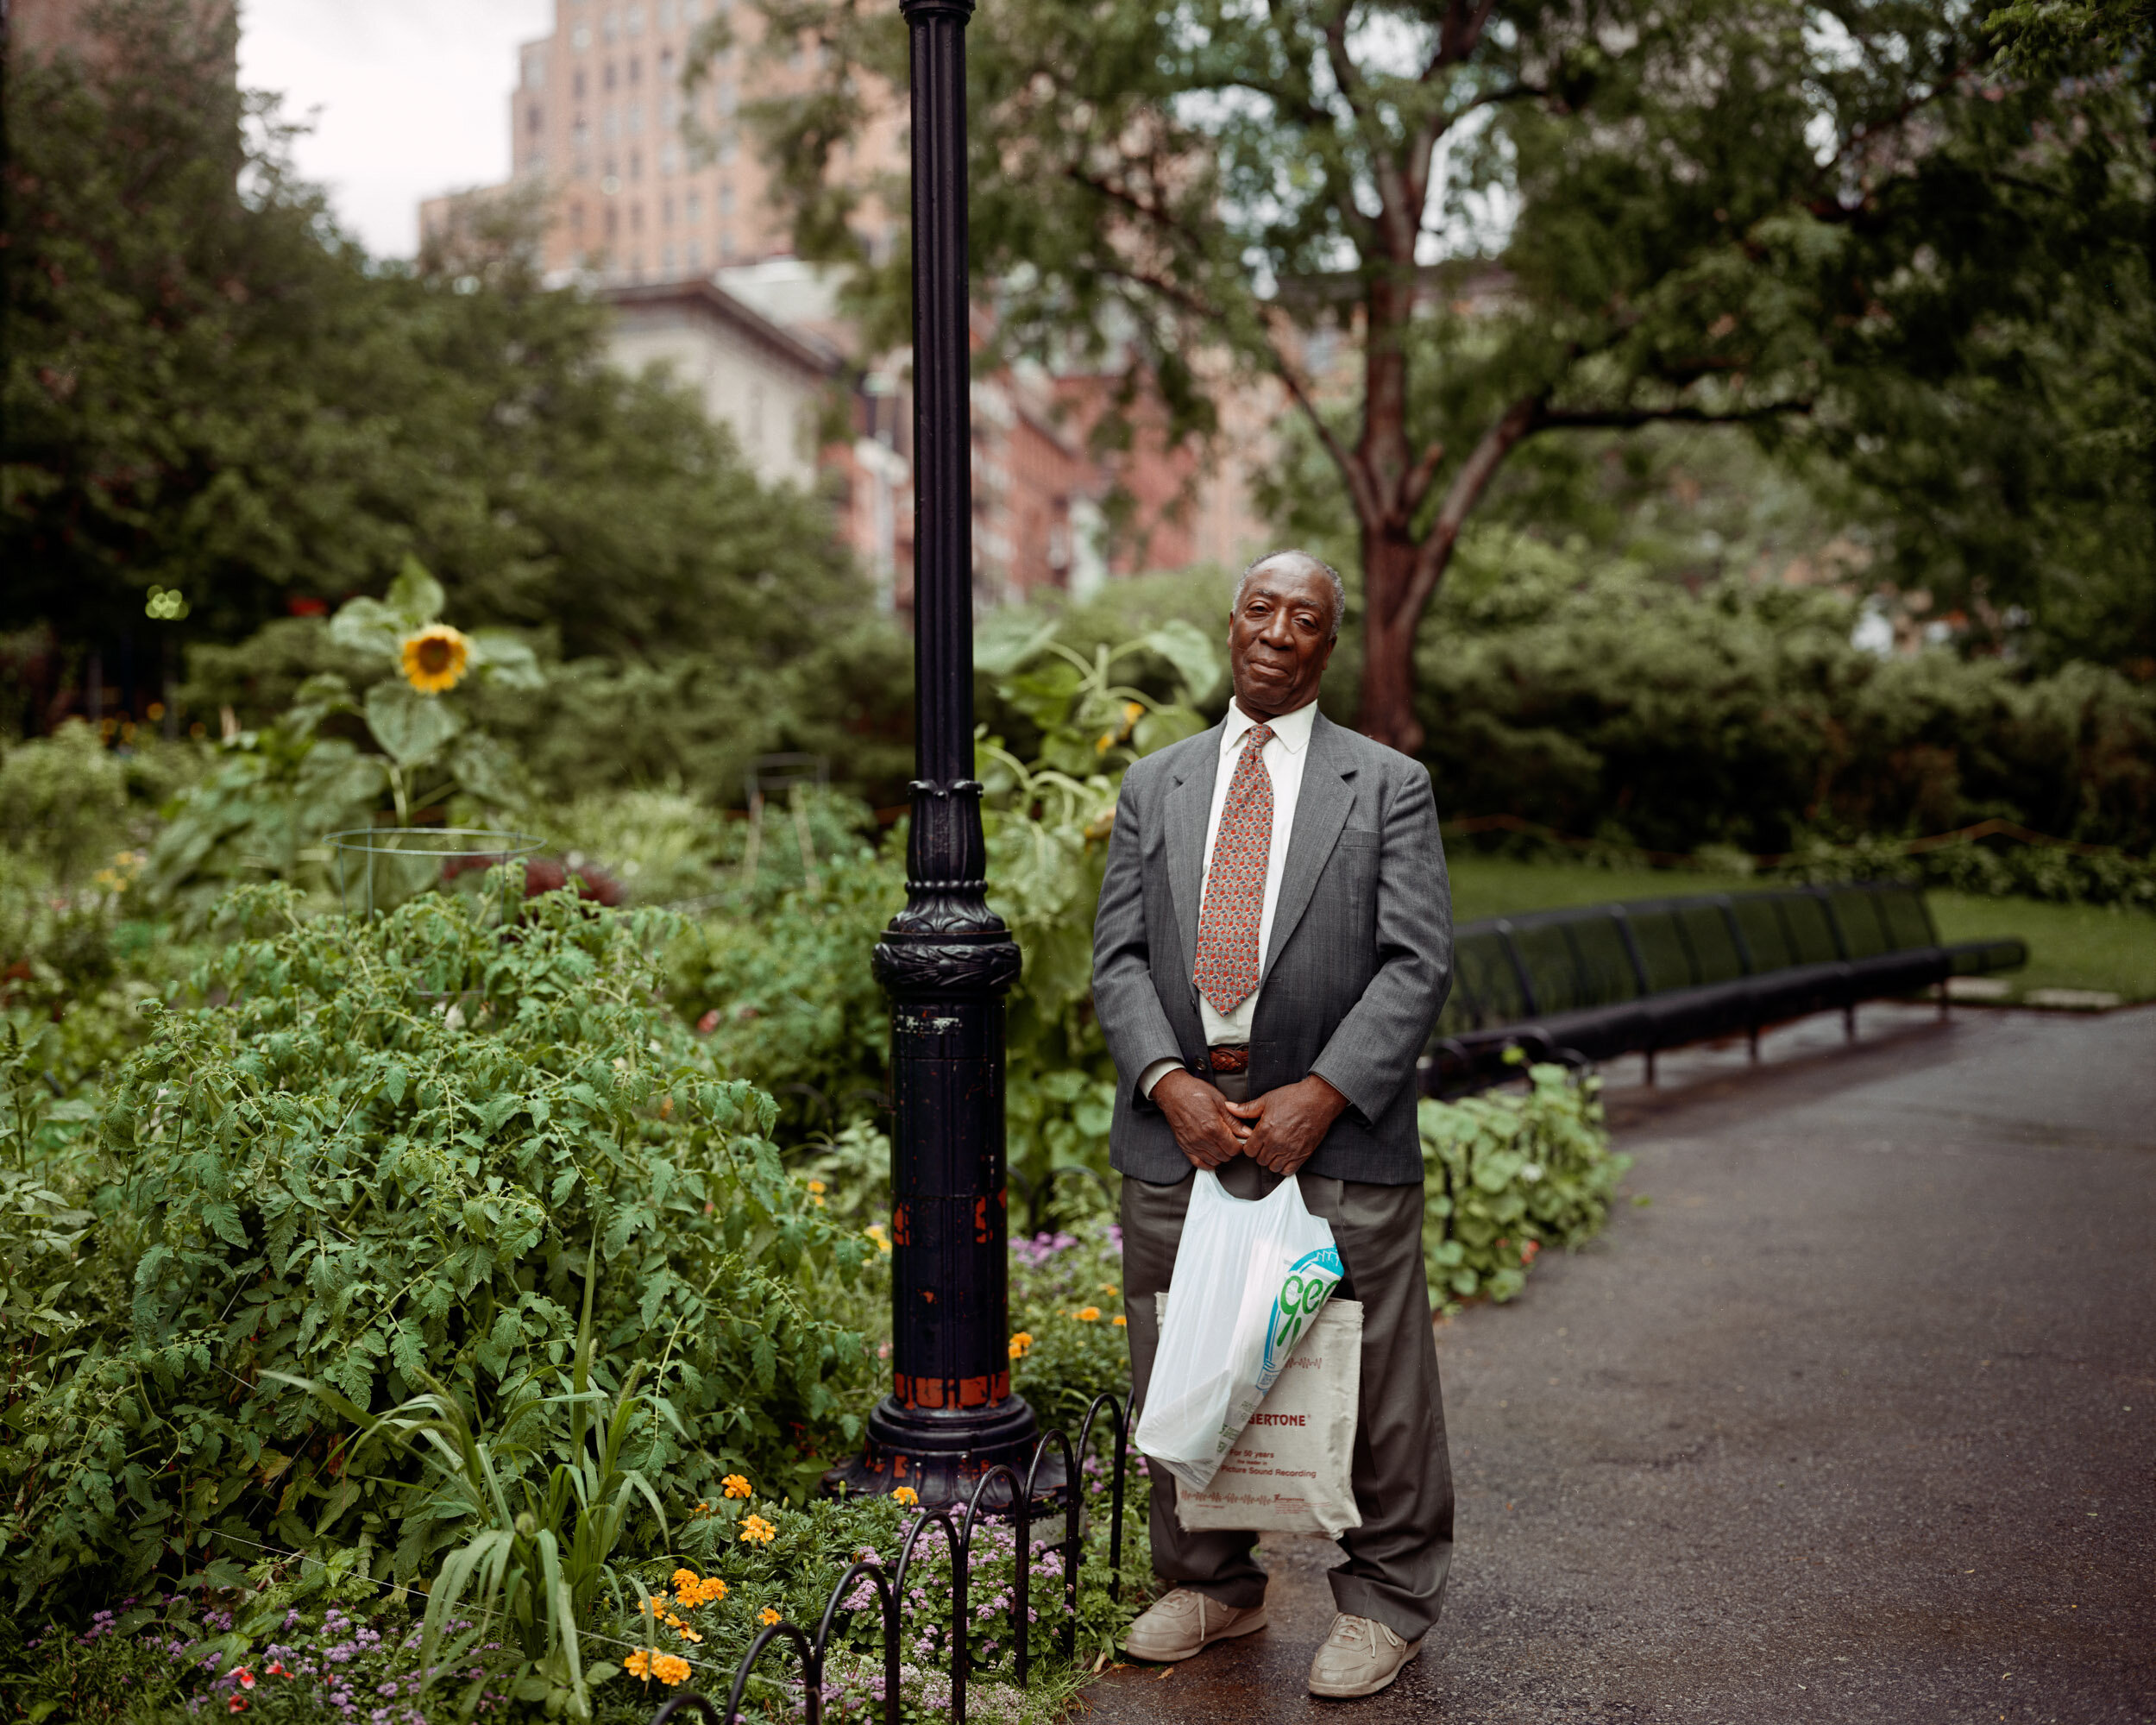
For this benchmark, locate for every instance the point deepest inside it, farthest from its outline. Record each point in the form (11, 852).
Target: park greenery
(1902, 245)
(453, 1310)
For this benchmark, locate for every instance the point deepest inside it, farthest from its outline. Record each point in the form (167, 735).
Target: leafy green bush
(1601, 701)
(383, 1164)
(1507, 1174)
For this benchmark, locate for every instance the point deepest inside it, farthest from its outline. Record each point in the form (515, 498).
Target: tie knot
(1258, 734)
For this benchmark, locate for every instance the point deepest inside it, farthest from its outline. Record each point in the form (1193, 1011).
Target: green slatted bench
(1588, 984)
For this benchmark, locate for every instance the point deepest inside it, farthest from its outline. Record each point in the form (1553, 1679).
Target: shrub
(383, 1165)
(1507, 1174)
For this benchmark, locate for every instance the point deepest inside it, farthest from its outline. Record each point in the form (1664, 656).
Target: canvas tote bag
(1250, 1277)
(1293, 1470)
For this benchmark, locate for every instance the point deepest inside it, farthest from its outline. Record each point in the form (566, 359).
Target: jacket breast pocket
(1355, 862)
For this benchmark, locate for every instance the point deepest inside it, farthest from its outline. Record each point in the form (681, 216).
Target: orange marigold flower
(1020, 1344)
(1088, 1314)
(736, 1485)
(670, 1668)
(905, 1494)
(685, 1583)
(638, 1663)
(688, 1634)
(713, 1590)
(768, 1615)
(434, 658)
(1120, 1321)
(755, 1531)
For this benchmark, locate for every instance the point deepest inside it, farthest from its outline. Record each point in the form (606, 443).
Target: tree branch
(1625, 419)
(1461, 497)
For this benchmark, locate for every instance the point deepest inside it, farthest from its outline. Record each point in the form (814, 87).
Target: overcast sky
(411, 96)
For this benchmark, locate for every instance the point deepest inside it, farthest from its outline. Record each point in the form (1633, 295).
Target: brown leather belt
(1236, 1059)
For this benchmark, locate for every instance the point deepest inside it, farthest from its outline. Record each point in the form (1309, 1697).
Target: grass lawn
(2071, 946)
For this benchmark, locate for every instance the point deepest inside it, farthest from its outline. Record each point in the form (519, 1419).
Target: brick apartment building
(651, 195)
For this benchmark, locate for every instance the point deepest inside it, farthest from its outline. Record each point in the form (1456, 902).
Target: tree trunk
(1388, 633)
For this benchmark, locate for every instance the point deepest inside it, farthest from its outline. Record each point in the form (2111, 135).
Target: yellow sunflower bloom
(434, 657)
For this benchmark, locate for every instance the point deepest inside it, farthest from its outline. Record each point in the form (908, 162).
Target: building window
(666, 212)
(636, 68)
(666, 260)
(726, 200)
(669, 159)
(612, 25)
(728, 99)
(636, 218)
(636, 21)
(576, 219)
(534, 69)
(609, 122)
(695, 254)
(695, 209)
(613, 221)
(582, 38)
(531, 120)
(726, 248)
(633, 118)
(636, 164)
(606, 76)
(577, 84)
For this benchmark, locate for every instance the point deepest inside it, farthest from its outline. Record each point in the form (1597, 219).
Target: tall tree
(1532, 218)
(211, 390)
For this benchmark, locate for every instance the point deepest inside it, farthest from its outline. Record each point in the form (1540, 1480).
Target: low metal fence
(956, 1523)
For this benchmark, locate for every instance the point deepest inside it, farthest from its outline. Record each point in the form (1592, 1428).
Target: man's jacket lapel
(1190, 806)
(1321, 810)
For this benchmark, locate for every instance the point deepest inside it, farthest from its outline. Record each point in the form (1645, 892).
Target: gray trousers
(1398, 1560)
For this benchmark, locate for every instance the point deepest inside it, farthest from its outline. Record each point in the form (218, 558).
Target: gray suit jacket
(1358, 966)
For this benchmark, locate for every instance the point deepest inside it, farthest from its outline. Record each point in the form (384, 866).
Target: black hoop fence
(955, 1524)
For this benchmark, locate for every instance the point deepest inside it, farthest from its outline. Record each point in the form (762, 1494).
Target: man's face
(1280, 636)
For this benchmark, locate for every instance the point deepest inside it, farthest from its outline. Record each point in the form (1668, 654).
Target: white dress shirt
(1283, 756)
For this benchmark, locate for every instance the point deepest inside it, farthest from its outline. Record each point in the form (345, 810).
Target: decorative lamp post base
(942, 1456)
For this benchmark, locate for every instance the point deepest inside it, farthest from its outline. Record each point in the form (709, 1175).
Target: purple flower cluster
(1041, 1248)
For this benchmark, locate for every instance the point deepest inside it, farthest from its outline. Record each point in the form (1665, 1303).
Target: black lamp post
(946, 958)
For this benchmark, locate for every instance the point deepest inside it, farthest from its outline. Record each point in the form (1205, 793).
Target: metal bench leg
(1651, 1068)
(1943, 1000)
(1849, 1021)
(1751, 1043)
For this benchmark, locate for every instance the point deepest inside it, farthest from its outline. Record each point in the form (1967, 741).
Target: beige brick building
(640, 179)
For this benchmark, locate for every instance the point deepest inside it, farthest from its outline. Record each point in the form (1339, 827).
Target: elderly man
(1273, 943)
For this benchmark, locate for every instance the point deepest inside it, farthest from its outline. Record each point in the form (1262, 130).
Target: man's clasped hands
(1279, 1130)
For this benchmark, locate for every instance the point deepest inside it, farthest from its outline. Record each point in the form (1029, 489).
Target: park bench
(1590, 984)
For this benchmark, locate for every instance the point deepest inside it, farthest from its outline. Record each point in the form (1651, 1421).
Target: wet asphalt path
(1855, 1421)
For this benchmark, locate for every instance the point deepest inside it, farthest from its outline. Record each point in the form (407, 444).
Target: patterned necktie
(1226, 971)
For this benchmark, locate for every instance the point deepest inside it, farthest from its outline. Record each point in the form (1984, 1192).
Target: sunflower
(434, 657)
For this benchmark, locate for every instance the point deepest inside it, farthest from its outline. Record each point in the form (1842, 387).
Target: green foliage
(1507, 1174)
(384, 1163)
(213, 390)
(1600, 701)
(1060, 1357)
(1852, 232)
(61, 798)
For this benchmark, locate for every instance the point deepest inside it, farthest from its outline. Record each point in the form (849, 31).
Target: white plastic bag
(1293, 1470)
(1249, 1278)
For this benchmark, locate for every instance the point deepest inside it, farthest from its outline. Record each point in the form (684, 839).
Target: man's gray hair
(1331, 575)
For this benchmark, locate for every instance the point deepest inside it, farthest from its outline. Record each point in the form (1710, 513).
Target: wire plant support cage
(378, 868)
(956, 1522)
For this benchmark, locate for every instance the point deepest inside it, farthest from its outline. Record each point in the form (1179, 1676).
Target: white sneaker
(1186, 1622)
(1361, 1657)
